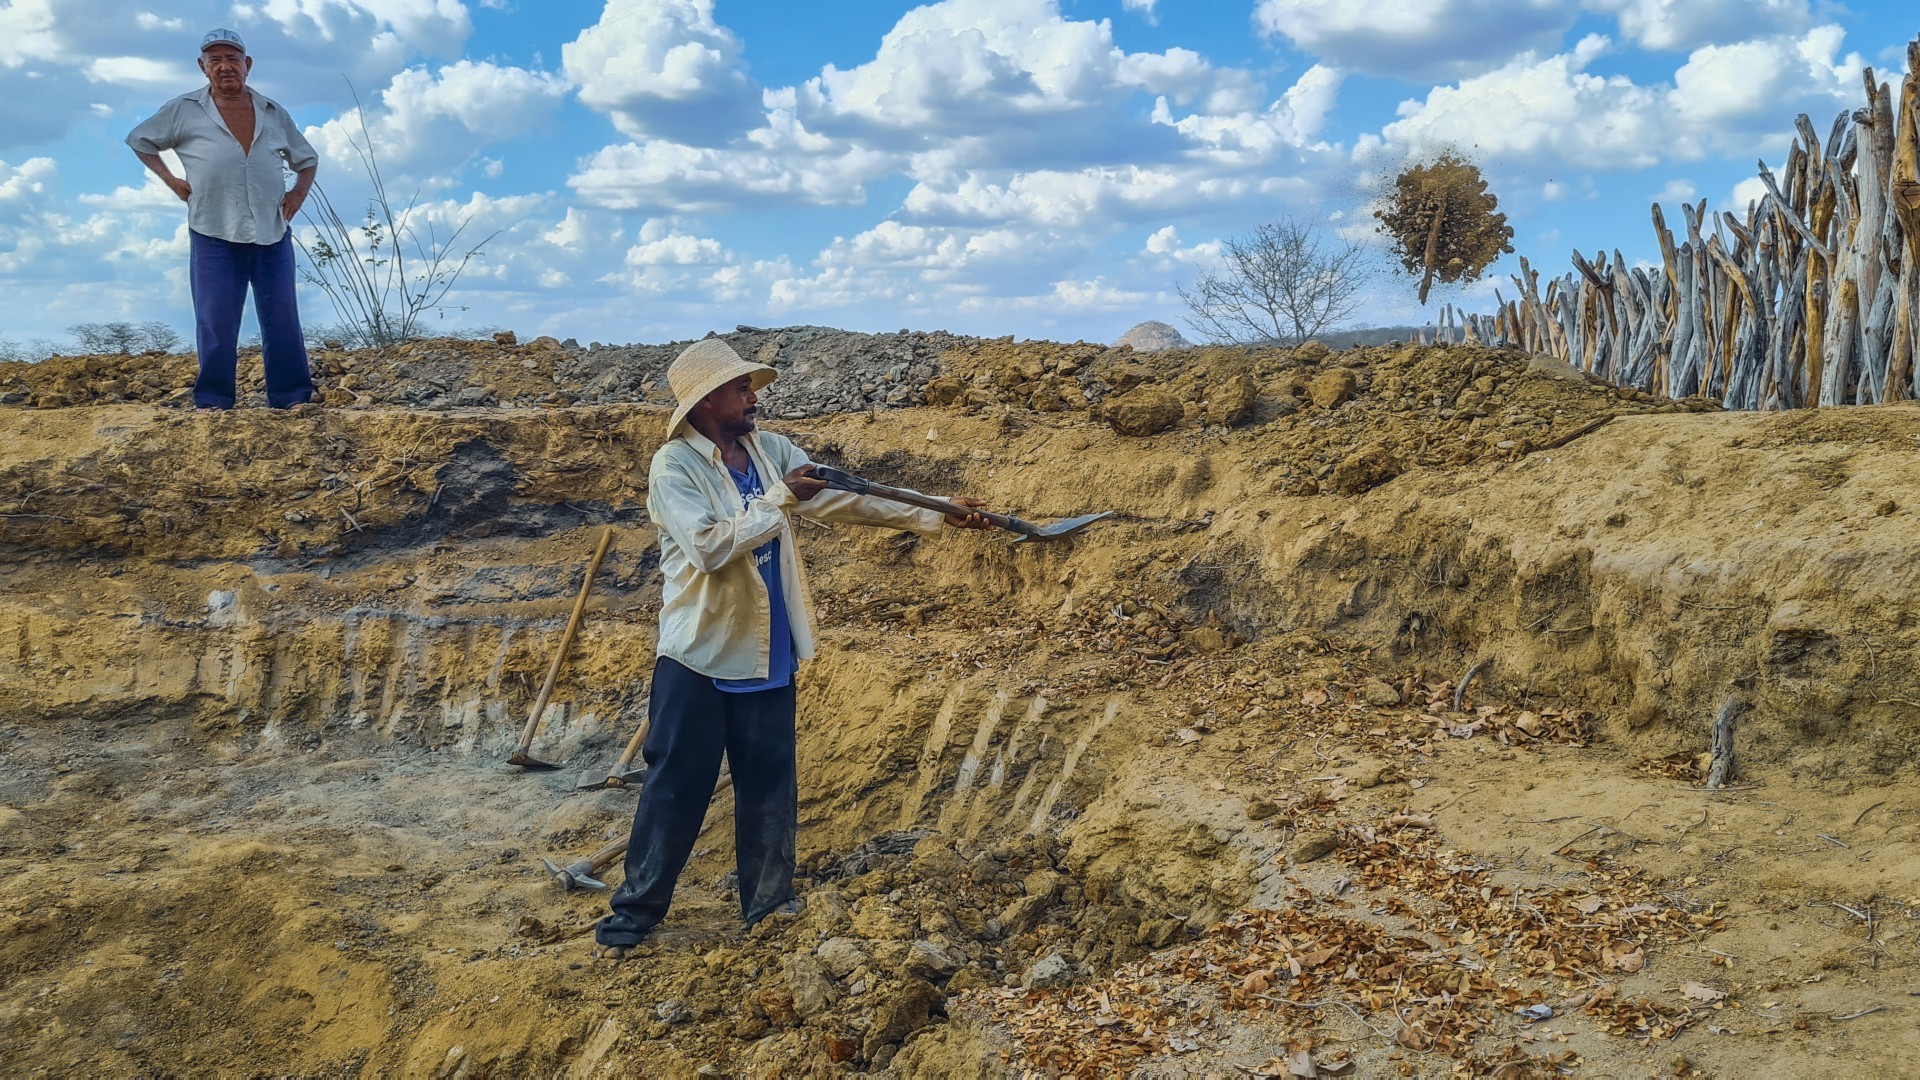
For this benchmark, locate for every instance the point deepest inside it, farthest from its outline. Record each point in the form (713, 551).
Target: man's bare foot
(613, 954)
(304, 407)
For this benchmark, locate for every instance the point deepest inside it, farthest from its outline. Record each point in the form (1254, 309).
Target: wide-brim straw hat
(706, 366)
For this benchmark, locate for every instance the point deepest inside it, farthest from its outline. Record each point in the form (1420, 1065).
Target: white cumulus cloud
(1418, 40)
(435, 121)
(664, 68)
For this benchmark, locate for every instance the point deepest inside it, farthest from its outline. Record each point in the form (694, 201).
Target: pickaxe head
(574, 875)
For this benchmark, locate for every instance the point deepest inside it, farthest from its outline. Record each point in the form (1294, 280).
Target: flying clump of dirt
(1444, 223)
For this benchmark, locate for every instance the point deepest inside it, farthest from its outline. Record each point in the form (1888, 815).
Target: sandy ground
(1188, 796)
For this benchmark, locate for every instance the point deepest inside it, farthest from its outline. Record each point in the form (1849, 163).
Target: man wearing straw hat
(734, 625)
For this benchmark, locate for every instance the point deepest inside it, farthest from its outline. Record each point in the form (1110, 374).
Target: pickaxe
(583, 873)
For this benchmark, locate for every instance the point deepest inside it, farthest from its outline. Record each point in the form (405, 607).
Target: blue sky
(653, 169)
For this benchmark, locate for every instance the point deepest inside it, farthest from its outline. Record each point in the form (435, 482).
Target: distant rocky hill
(1152, 336)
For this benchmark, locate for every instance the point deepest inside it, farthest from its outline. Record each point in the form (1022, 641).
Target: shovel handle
(846, 481)
(566, 641)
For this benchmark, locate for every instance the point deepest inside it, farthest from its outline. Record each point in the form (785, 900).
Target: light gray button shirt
(236, 196)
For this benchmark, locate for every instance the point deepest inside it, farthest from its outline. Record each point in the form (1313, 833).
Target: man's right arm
(710, 540)
(156, 133)
(159, 168)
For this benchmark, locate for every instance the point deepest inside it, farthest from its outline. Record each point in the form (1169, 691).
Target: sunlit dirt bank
(1197, 791)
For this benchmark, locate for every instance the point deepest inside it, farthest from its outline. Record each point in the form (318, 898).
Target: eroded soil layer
(1197, 792)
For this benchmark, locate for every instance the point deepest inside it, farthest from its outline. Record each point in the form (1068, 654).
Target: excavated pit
(259, 675)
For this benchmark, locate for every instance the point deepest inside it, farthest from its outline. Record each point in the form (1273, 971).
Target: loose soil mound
(1195, 792)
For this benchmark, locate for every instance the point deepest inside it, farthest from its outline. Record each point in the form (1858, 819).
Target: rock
(906, 1012)
(926, 960)
(1365, 470)
(505, 337)
(841, 955)
(1152, 336)
(1207, 639)
(876, 919)
(1380, 692)
(1370, 773)
(1232, 402)
(1124, 377)
(673, 1012)
(839, 1049)
(1317, 844)
(470, 396)
(1161, 933)
(971, 977)
(1260, 809)
(1312, 352)
(1333, 388)
(1143, 411)
(1048, 973)
(813, 990)
(1057, 395)
(1043, 888)
(775, 1001)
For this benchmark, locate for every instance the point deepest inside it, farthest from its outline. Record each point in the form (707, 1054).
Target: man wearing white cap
(734, 625)
(233, 143)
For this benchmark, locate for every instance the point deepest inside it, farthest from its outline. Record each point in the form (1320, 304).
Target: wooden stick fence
(1812, 297)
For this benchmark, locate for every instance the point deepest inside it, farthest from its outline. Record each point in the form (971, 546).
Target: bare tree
(156, 336)
(106, 337)
(1279, 285)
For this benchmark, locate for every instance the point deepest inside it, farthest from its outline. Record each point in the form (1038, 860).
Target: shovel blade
(1065, 527)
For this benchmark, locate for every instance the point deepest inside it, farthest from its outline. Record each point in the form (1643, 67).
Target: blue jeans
(221, 272)
(693, 724)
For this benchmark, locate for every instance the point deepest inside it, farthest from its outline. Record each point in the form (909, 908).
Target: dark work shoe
(790, 910)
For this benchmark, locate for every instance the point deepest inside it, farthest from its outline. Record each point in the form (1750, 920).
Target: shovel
(623, 772)
(520, 756)
(844, 481)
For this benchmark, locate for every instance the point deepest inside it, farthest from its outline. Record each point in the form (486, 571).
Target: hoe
(520, 756)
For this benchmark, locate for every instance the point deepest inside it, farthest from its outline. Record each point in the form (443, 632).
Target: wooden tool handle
(927, 502)
(633, 744)
(566, 641)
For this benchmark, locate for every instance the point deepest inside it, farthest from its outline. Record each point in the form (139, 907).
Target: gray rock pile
(822, 369)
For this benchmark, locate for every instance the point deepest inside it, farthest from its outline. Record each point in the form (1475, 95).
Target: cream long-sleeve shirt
(236, 195)
(715, 616)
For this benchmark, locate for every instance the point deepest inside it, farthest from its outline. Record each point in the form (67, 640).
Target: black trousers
(693, 724)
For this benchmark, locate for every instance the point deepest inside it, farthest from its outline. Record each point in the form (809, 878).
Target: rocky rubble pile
(890, 932)
(822, 370)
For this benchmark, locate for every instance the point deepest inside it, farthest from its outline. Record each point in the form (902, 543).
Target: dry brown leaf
(1314, 697)
(1300, 1064)
(1623, 956)
(1412, 1038)
(1700, 992)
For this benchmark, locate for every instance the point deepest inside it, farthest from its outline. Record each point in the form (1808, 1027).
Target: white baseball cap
(222, 36)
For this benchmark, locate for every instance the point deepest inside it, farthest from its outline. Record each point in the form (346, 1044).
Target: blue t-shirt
(766, 558)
